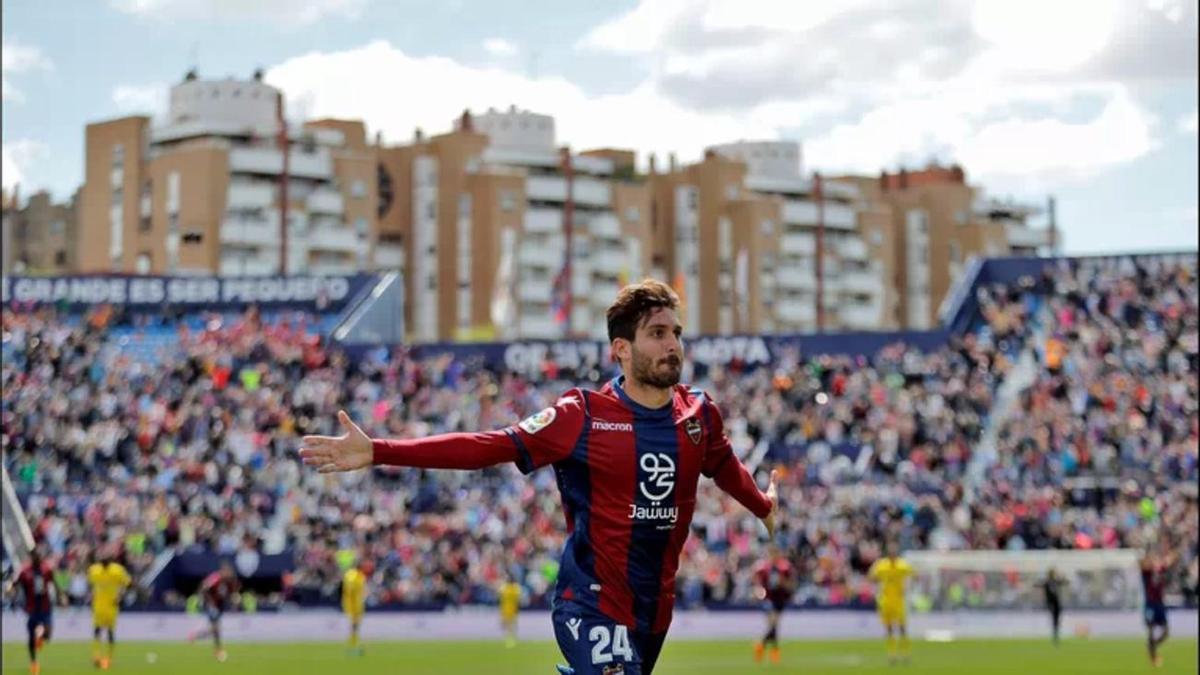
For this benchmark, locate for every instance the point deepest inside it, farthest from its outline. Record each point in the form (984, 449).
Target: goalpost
(981, 580)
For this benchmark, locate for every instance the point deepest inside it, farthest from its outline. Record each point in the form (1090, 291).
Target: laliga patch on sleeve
(538, 421)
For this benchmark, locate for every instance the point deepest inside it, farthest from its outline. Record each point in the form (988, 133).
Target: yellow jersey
(510, 598)
(107, 582)
(891, 575)
(354, 586)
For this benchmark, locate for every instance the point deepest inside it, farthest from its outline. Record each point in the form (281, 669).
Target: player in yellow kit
(510, 603)
(892, 572)
(354, 600)
(108, 579)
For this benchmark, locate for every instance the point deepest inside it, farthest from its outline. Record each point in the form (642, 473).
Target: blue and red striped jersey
(628, 476)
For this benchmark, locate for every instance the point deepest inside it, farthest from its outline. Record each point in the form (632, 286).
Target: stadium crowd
(197, 451)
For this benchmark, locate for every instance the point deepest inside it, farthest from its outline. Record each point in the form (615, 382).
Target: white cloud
(17, 157)
(907, 122)
(499, 47)
(1190, 124)
(344, 84)
(149, 99)
(290, 12)
(18, 58)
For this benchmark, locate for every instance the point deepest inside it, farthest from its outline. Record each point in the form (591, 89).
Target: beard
(662, 374)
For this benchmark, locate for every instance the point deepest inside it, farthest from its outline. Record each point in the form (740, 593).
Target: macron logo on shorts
(602, 425)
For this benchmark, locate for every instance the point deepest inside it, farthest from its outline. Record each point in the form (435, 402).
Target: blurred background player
(776, 578)
(109, 580)
(510, 605)
(1052, 587)
(36, 583)
(892, 572)
(217, 591)
(354, 601)
(1154, 580)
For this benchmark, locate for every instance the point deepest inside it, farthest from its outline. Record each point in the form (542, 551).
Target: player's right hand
(773, 496)
(350, 451)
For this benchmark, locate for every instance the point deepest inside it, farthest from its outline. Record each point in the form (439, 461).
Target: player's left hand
(773, 496)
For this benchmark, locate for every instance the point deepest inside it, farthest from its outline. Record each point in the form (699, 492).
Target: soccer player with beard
(628, 459)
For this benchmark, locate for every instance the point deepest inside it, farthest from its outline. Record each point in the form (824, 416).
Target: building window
(361, 227)
(508, 201)
(142, 266)
(193, 237)
(57, 227)
(633, 214)
(358, 189)
(767, 228)
(877, 237)
(960, 217)
(60, 258)
(118, 155)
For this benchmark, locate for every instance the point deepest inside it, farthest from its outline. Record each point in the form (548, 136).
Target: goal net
(956, 580)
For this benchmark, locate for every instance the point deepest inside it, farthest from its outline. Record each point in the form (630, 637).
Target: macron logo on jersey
(602, 425)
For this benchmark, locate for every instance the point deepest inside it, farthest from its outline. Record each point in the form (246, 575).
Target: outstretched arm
(723, 466)
(355, 450)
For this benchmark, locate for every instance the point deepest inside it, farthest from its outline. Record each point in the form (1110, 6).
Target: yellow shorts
(354, 612)
(508, 616)
(104, 617)
(892, 613)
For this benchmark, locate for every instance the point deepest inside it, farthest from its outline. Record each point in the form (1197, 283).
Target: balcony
(605, 226)
(859, 316)
(543, 221)
(244, 195)
(798, 244)
(534, 326)
(591, 192)
(866, 283)
(796, 278)
(796, 312)
(389, 256)
(609, 261)
(534, 290)
(853, 248)
(325, 201)
(334, 239)
(269, 161)
(546, 189)
(541, 257)
(804, 212)
(247, 231)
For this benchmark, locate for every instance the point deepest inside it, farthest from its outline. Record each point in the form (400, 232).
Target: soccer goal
(956, 580)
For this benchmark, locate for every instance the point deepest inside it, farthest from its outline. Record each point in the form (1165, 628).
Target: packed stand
(199, 453)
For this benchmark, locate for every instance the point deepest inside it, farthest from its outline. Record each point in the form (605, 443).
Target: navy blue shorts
(596, 645)
(45, 619)
(1155, 614)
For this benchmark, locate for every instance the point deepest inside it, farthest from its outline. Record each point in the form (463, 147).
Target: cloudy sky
(1093, 101)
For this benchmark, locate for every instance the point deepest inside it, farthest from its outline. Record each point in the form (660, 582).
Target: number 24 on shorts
(601, 639)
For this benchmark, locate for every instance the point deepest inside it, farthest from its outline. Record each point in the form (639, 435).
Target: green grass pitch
(976, 657)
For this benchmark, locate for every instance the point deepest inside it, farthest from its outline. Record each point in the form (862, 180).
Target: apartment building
(828, 246)
(935, 221)
(486, 217)
(204, 190)
(40, 235)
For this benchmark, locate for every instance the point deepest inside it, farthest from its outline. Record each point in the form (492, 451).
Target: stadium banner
(742, 351)
(326, 293)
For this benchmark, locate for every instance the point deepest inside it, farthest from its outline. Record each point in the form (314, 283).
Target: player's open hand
(773, 496)
(347, 452)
